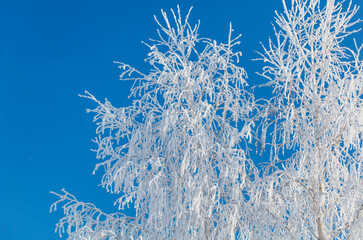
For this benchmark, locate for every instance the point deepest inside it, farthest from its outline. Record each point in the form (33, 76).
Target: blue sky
(53, 50)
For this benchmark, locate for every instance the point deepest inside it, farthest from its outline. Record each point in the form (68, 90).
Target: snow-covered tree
(176, 153)
(313, 186)
(179, 155)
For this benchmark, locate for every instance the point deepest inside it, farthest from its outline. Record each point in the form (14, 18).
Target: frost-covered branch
(179, 152)
(314, 113)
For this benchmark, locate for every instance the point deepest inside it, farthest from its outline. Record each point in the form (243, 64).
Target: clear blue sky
(53, 50)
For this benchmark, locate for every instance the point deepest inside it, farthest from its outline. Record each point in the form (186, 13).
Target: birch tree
(313, 186)
(178, 152)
